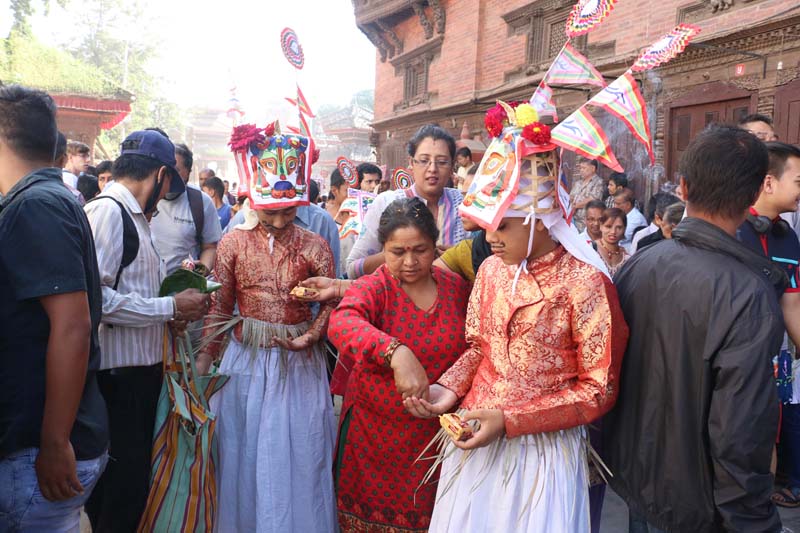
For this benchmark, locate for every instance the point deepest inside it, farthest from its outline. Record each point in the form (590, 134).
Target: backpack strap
(198, 213)
(130, 237)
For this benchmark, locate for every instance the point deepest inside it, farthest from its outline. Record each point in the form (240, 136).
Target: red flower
(537, 133)
(245, 135)
(269, 131)
(315, 156)
(494, 120)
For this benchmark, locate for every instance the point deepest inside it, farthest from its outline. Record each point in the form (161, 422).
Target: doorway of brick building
(715, 102)
(688, 121)
(787, 112)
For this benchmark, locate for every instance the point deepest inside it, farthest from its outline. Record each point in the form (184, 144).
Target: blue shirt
(313, 218)
(224, 213)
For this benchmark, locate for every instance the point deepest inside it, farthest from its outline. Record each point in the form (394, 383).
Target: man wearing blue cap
(132, 327)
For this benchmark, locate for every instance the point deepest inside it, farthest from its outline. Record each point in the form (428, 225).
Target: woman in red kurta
(403, 326)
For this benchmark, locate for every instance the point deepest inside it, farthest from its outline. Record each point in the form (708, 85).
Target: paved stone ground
(615, 516)
(615, 511)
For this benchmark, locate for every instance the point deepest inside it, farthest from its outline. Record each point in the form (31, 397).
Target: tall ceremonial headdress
(520, 173)
(274, 169)
(519, 177)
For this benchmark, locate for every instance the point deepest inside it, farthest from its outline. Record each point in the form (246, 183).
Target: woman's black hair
(405, 213)
(434, 132)
(336, 179)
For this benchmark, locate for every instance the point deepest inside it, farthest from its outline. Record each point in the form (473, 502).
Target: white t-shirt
(173, 229)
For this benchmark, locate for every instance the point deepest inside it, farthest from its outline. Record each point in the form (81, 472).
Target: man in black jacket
(690, 440)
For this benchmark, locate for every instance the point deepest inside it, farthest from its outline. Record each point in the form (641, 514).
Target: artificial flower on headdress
(496, 118)
(274, 169)
(537, 133)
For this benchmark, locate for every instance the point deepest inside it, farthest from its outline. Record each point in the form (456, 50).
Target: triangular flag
(302, 104)
(581, 133)
(542, 101)
(623, 99)
(292, 129)
(572, 68)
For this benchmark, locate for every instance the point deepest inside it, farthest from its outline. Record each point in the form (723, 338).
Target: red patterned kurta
(378, 473)
(549, 356)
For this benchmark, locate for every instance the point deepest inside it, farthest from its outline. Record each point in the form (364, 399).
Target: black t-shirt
(46, 248)
(783, 250)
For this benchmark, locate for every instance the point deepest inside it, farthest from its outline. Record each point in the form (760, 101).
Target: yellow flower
(526, 114)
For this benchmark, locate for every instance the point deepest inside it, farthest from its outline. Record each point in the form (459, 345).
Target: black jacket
(690, 439)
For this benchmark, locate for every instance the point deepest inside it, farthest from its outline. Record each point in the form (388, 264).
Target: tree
(22, 10)
(119, 43)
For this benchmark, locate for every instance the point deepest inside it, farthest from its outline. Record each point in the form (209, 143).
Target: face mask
(152, 202)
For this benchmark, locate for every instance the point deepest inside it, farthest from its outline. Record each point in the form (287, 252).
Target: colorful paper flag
(581, 133)
(572, 68)
(623, 99)
(302, 104)
(586, 15)
(542, 101)
(666, 48)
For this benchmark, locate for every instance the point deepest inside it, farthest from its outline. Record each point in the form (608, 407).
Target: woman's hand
(441, 400)
(492, 428)
(410, 377)
(304, 341)
(327, 289)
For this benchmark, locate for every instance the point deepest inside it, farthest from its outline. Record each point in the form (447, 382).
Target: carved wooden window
(542, 22)
(414, 66)
(416, 80)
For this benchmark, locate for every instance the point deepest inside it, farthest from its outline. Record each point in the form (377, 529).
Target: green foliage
(26, 61)
(22, 10)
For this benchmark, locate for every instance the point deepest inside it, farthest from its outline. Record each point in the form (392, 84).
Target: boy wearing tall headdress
(276, 426)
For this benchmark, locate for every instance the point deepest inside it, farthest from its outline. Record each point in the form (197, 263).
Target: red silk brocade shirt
(260, 281)
(379, 475)
(549, 356)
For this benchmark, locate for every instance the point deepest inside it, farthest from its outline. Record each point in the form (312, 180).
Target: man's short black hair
(104, 166)
(620, 179)
(88, 186)
(464, 152)
(216, 185)
(313, 191)
(756, 117)
(28, 122)
(723, 168)
(596, 204)
(188, 157)
(368, 168)
(592, 162)
(663, 201)
(159, 130)
(134, 166)
(779, 153)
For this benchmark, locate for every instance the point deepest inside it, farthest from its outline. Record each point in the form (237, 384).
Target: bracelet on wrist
(393, 346)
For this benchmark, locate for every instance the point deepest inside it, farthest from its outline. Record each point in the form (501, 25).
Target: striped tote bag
(183, 490)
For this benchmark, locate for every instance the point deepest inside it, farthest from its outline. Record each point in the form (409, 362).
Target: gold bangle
(393, 346)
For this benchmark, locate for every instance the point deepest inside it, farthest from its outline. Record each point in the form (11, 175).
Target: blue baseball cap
(155, 145)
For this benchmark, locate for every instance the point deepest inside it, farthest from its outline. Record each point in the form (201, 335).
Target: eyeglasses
(437, 163)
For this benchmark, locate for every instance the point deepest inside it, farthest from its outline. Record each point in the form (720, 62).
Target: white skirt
(276, 432)
(531, 484)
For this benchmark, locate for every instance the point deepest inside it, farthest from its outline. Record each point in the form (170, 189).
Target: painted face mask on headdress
(274, 169)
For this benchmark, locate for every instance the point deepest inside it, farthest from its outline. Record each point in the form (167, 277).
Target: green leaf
(183, 279)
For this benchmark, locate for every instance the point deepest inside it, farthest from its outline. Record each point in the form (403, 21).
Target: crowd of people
(654, 353)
